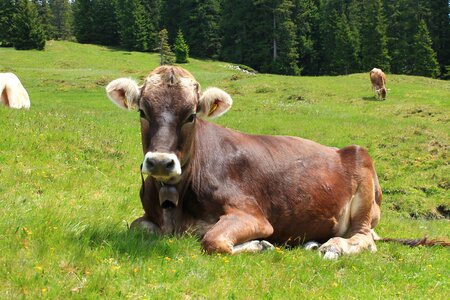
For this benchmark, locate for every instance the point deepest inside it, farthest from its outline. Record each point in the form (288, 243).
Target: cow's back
(377, 78)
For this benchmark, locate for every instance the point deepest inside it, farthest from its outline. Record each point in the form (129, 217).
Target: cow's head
(382, 92)
(169, 102)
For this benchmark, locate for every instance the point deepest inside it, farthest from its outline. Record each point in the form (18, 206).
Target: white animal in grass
(12, 92)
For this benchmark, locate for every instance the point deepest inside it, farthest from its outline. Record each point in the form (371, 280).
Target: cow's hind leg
(338, 246)
(360, 232)
(238, 232)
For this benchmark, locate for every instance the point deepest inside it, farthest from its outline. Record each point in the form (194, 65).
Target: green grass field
(69, 181)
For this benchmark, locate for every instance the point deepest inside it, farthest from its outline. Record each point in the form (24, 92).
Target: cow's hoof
(145, 225)
(252, 246)
(330, 255)
(375, 236)
(266, 245)
(311, 245)
(330, 251)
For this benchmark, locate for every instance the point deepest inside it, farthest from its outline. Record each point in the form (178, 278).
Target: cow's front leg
(145, 224)
(237, 232)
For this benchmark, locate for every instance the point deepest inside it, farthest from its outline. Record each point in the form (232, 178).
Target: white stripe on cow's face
(164, 167)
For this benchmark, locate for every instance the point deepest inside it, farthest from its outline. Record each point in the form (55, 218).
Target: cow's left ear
(214, 102)
(124, 93)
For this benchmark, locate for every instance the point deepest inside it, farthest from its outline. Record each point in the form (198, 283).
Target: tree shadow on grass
(135, 243)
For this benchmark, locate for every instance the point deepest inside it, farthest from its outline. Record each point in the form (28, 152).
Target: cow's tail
(425, 241)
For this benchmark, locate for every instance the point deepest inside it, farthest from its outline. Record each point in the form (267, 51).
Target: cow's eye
(142, 113)
(191, 118)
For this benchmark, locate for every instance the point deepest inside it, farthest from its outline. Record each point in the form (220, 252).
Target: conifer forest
(293, 37)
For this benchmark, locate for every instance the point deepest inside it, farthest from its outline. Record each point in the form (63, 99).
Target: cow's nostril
(170, 164)
(150, 163)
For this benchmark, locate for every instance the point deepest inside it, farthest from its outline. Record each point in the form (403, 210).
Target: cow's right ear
(124, 93)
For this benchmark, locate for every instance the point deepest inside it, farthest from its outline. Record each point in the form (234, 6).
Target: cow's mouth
(171, 180)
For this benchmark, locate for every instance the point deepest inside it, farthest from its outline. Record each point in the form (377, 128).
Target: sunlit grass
(69, 184)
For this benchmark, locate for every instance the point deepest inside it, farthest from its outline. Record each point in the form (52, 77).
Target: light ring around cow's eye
(191, 118)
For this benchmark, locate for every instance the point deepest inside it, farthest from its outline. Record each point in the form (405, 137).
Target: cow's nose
(159, 165)
(162, 166)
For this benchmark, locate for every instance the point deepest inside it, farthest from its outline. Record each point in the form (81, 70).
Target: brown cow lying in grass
(12, 92)
(240, 192)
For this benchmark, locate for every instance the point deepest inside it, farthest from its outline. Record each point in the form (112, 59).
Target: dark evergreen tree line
(308, 37)
(28, 24)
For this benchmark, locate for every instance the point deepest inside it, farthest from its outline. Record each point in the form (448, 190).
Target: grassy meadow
(69, 182)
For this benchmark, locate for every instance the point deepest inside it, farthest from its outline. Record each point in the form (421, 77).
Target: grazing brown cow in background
(12, 92)
(378, 80)
(233, 189)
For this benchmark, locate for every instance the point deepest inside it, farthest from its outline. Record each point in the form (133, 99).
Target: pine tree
(329, 13)
(166, 55)
(105, 27)
(153, 9)
(200, 24)
(133, 29)
(63, 19)
(439, 27)
(425, 62)
(355, 17)
(28, 31)
(6, 22)
(248, 33)
(306, 17)
(345, 51)
(285, 55)
(171, 12)
(83, 20)
(374, 49)
(181, 49)
(46, 15)
(235, 30)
